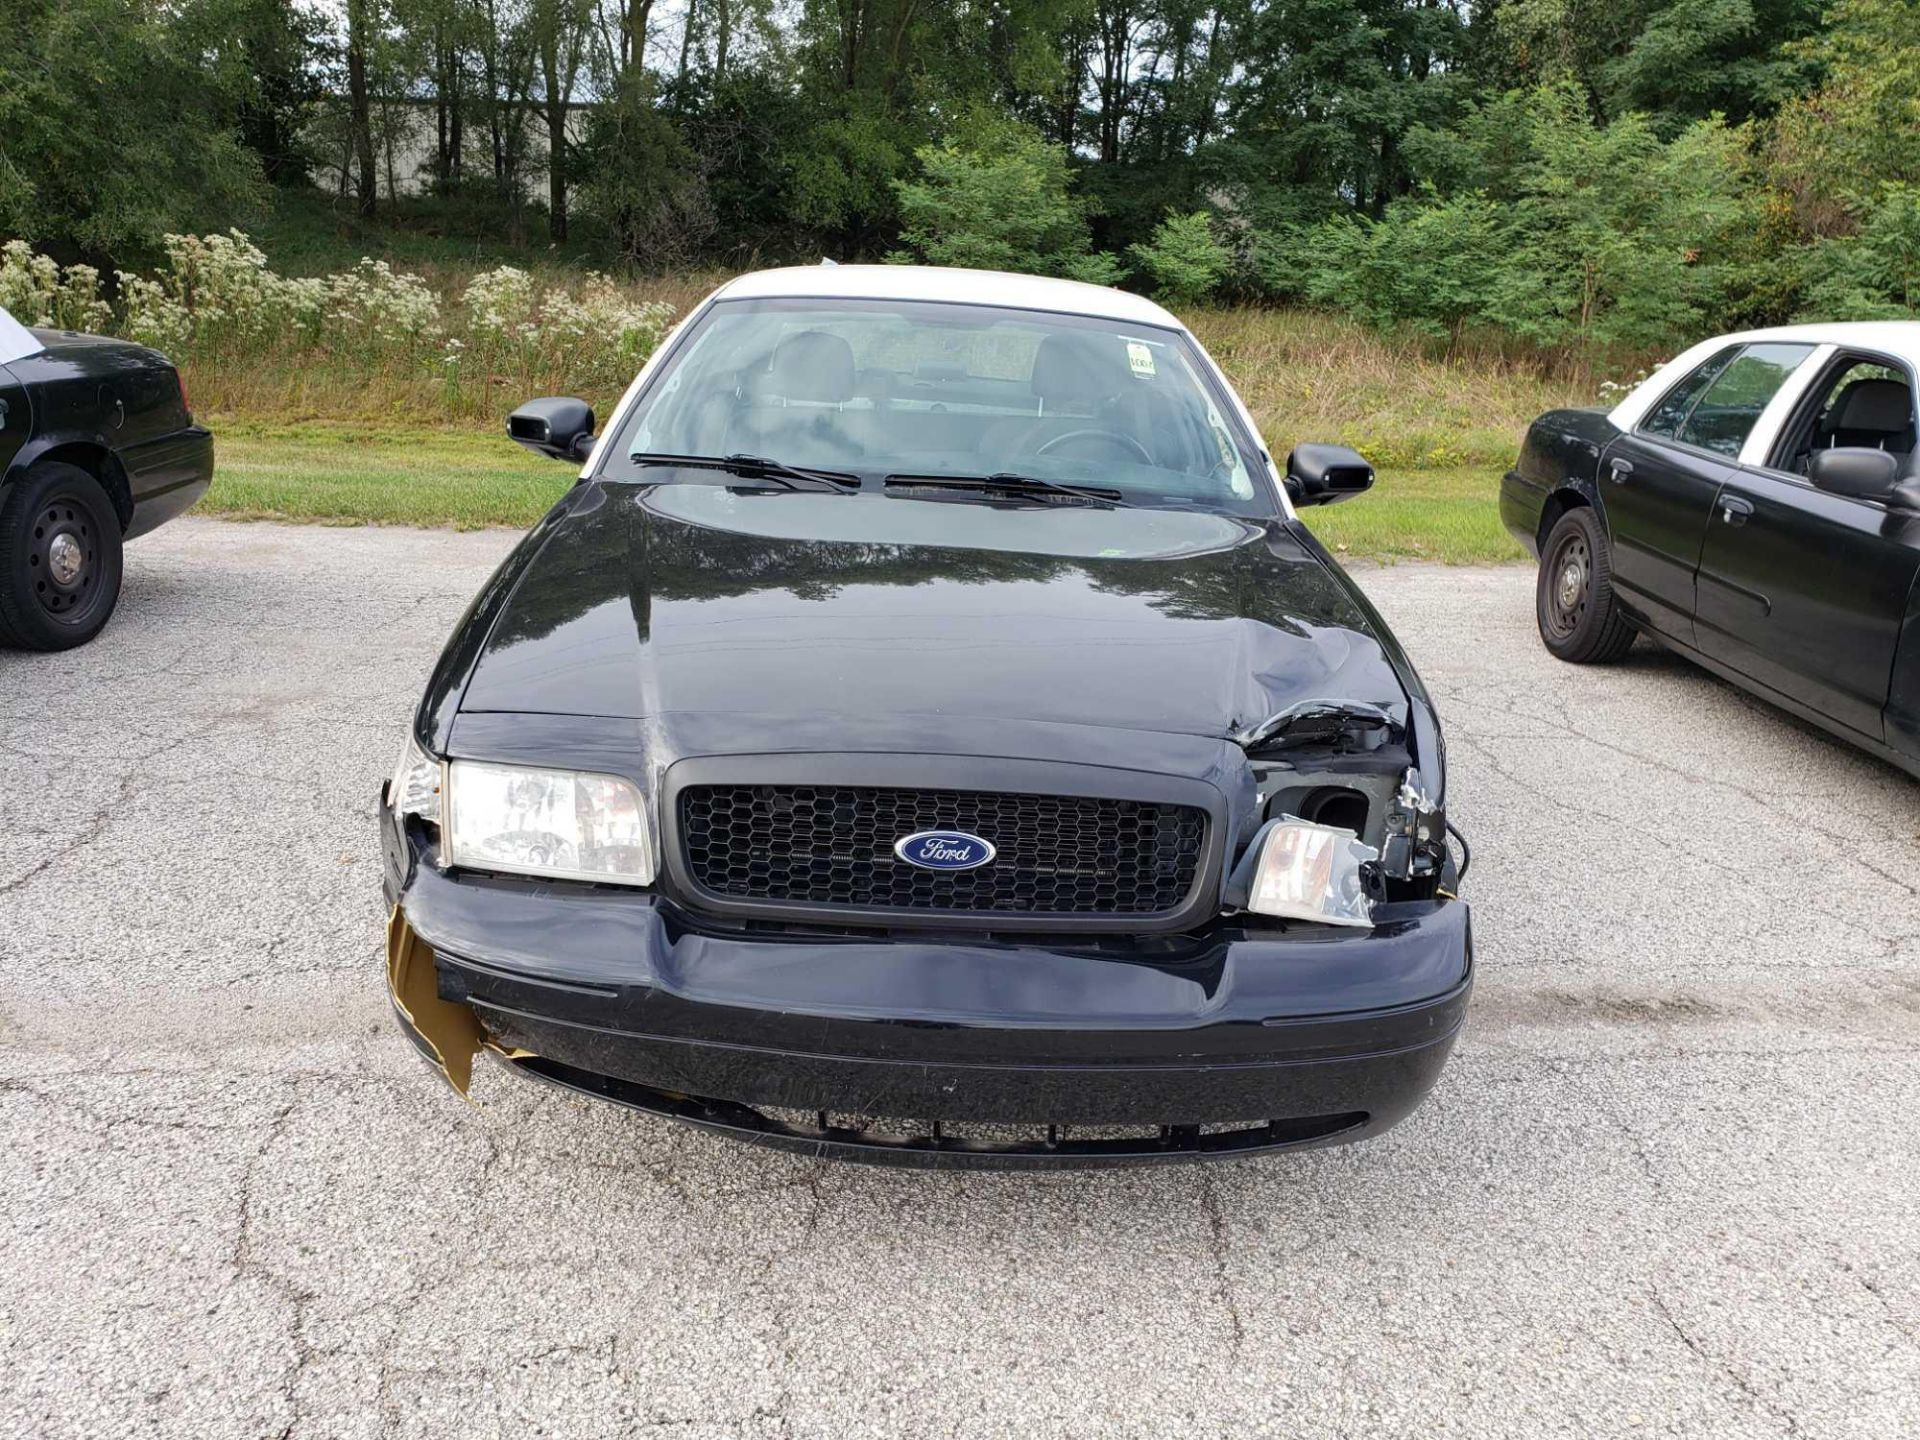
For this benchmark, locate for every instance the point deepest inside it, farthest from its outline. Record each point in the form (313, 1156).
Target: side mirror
(559, 426)
(1326, 474)
(1854, 471)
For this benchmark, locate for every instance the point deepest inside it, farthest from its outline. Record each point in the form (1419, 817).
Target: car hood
(854, 613)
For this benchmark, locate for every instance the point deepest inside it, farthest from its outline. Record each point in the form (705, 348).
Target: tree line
(1570, 174)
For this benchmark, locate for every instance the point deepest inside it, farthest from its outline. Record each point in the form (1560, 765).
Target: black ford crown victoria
(1755, 507)
(924, 734)
(97, 446)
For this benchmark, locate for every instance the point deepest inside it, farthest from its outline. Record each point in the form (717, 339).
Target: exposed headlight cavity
(560, 823)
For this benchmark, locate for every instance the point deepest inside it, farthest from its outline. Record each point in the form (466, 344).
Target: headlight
(560, 823)
(1310, 872)
(417, 782)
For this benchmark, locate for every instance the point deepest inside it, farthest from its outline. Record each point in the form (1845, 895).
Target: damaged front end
(1348, 767)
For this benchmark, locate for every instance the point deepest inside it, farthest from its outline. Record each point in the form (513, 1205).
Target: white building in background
(405, 147)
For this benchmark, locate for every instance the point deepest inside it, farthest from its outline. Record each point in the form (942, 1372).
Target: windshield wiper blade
(1007, 484)
(756, 467)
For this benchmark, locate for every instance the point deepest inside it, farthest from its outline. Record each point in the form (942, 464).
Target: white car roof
(949, 284)
(1898, 338)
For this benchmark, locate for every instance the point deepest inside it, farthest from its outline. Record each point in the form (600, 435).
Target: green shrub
(1182, 258)
(1873, 274)
(999, 197)
(1431, 267)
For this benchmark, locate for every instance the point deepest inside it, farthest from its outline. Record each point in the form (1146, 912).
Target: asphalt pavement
(1669, 1185)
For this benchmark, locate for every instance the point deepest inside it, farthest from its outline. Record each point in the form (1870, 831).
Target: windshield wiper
(1005, 484)
(756, 467)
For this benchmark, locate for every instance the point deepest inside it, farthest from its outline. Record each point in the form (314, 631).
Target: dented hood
(685, 599)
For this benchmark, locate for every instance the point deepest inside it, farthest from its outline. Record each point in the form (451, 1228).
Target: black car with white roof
(925, 733)
(97, 445)
(1754, 505)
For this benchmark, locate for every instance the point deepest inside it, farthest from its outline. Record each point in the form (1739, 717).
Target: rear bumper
(167, 476)
(1521, 504)
(925, 1050)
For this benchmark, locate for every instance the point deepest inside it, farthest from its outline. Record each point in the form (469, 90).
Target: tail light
(180, 376)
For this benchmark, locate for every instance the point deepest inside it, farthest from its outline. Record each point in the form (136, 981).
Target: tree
(999, 198)
(1183, 259)
(1614, 231)
(560, 31)
(108, 180)
(360, 41)
(641, 180)
(263, 58)
(1874, 273)
(1861, 126)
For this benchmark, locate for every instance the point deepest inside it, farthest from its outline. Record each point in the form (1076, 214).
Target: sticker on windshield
(1140, 357)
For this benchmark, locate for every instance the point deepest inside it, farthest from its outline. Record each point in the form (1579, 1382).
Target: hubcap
(1571, 569)
(61, 551)
(64, 558)
(1572, 577)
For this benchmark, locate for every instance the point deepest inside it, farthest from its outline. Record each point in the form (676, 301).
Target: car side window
(1726, 411)
(1671, 413)
(1862, 401)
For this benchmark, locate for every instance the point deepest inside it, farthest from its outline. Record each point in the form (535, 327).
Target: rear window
(1725, 413)
(1671, 413)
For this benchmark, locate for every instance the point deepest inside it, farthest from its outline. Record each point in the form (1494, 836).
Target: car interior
(1860, 403)
(958, 395)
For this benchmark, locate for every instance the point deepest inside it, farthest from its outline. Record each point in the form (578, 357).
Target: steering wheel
(1113, 438)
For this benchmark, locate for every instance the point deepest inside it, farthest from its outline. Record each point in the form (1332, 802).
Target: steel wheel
(1580, 619)
(63, 560)
(1569, 585)
(59, 558)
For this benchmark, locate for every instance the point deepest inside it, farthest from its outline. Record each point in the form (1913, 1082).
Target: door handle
(1621, 469)
(1734, 509)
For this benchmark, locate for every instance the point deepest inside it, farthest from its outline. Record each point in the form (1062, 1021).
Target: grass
(342, 473)
(1449, 515)
(339, 472)
(342, 440)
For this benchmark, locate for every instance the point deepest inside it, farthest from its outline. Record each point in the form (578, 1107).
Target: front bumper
(968, 1049)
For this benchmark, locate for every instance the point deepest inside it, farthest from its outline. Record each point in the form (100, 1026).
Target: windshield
(903, 388)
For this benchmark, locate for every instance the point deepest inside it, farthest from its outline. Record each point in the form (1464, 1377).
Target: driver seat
(1874, 413)
(1079, 382)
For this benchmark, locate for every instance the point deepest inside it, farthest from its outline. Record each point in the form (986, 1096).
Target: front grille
(833, 845)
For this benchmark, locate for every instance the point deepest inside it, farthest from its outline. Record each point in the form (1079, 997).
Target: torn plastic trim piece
(1308, 722)
(447, 1034)
(933, 1149)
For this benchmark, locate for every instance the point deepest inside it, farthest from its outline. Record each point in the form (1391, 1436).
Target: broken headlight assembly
(563, 824)
(1297, 870)
(418, 785)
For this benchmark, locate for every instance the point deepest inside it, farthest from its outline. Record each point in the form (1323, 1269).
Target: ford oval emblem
(943, 850)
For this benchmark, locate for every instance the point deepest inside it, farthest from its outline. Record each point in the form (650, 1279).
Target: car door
(1660, 482)
(1657, 495)
(1805, 591)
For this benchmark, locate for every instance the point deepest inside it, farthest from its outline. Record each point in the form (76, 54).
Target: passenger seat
(796, 411)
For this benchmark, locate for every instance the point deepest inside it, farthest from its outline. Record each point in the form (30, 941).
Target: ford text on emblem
(943, 850)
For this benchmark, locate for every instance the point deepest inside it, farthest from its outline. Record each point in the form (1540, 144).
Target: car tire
(59, 558)
(1579, 618)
